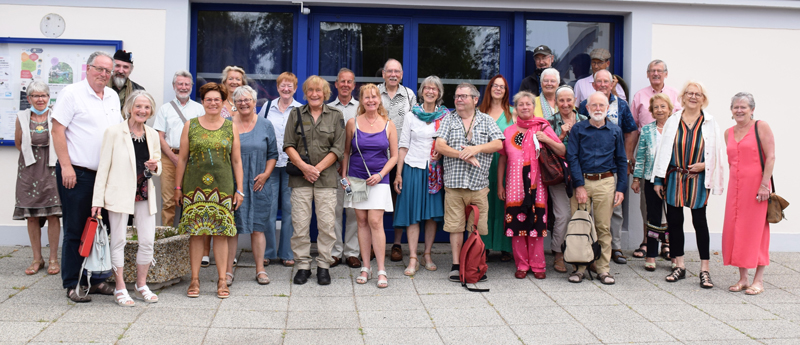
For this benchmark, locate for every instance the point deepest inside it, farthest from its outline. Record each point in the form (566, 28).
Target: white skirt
(380, 198)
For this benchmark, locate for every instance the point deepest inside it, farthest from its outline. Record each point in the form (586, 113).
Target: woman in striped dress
(687, 165)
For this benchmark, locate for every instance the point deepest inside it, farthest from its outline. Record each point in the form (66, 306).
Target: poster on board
(56, 62)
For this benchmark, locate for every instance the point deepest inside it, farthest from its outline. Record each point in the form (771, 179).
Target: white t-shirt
(86, 117)
(168, 121)
(417, 136)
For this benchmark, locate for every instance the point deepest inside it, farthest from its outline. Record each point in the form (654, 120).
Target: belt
(76, 167)
(600, 176)
(175, 151)
(685, 173)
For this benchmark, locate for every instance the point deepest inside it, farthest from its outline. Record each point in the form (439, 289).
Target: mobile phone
(346, 185)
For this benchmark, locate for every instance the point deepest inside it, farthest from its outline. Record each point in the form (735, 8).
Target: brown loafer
(397, 253)
(336, 261)
(520, 274)
(539, 275)
(353, 262)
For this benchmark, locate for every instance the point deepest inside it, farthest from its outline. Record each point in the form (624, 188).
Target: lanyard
(467, 130)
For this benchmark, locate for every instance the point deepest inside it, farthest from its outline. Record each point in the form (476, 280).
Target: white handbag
(98, 263)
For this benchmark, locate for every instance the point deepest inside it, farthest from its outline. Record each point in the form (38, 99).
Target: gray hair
(182, 73)
(610, 76)
(243, 91)
(344, 70)
(37, 86)
(565, 88)
(744, 96)
(126, 109)
(435, 81)
(472, 89)
(390, 60)
(656, 62)
(553, 72)
(523, 94)
(94, 56)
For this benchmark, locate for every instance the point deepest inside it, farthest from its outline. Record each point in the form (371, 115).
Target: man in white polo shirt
(169, 123)
(80, 117)
(346, 248)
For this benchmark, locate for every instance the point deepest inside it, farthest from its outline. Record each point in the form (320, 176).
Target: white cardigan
(24, 118)
(714, 156)
(115, 185)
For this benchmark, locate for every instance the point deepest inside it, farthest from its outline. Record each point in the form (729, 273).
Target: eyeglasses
(659, 71)
(457, 97)
(393, 71)
(694, 94)
(183, 84)
(39, 96)
(101, 69)
(243, 101)
(213, 100)
(499, 86)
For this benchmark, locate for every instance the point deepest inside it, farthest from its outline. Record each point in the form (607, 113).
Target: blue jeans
(76, 207)
(278, 185)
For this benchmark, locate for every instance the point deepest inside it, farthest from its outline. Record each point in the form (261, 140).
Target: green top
(324, 136)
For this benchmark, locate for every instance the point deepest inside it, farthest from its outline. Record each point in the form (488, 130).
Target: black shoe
(483, 279)
(323, 276)
(302, 276)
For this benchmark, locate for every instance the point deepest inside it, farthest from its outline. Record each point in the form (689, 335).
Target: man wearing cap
(601, 59)
(169, 122)
(543, 57)
(119, 82)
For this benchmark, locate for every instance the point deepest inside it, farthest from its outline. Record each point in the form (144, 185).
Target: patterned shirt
(458, 173)
(399, 106)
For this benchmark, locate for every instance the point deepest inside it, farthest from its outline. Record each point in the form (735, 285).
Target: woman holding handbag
(420, 200)
(523, 192)
(751, 156)
(366, 167)
(131, 155)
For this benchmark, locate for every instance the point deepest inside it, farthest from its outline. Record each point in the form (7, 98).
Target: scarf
(542, 109)
(435, 171)
(531, 146)
(427, 117)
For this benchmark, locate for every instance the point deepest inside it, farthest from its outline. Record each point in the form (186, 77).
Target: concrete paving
(425, 309)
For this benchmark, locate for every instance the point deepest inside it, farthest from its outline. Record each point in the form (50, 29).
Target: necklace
(373, 121)
(233, 107)
(250, 125)
(137, 138)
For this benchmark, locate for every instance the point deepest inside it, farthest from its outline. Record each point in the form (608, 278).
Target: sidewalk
(427, 309)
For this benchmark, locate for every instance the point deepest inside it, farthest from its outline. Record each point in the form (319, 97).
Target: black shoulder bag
(292, 169)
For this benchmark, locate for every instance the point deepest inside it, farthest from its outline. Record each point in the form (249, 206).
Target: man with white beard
(596, 151)
(119, 82)
(169, 124)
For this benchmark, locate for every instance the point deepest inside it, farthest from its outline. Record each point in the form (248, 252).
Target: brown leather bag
(776, 203)
(552, 166)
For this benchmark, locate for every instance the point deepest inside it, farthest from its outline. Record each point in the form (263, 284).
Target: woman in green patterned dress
(209, 161)
(496, 104)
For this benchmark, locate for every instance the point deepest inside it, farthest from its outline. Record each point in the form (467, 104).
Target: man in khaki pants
(169, 124)
(595, 153)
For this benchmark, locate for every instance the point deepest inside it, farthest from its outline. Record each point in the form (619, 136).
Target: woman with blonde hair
(124, 189)
(232, 78)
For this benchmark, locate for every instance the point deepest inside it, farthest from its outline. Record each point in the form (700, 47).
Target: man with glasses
(543, 57)
(601, 59)
(640, 105)
(80, 117)
(619, 114)
(169, 123)
(345, 247)
(466, 138)
(398, 100)
(120, 81)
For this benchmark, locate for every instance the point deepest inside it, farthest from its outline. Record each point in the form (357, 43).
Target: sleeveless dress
(208, 184)
(496, 239)
(37, 192)
(745, 233)
(374, 148)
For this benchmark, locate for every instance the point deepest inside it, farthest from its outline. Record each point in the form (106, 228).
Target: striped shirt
(687, 190)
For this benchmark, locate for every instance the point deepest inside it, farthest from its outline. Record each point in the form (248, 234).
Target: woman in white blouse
(419, 173)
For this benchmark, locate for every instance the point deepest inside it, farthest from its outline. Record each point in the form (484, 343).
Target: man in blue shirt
(596, 152)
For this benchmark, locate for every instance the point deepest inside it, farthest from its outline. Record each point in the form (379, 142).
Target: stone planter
(171, 256)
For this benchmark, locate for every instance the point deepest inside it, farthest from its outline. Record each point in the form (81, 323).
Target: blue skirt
(414, 203)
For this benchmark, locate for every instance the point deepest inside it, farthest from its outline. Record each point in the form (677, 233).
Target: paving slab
(322, 336)
(690, 331)
(416, 336)
(479, 335)
(570, 332)
(145, 334)
(395, 319)
(21, 330)
(85, 332)
(243, 336)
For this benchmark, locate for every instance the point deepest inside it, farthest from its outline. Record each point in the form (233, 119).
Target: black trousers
(676, 236)
(654, 206)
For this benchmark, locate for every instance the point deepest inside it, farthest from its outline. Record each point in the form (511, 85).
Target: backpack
(473, 254)
(580, 245)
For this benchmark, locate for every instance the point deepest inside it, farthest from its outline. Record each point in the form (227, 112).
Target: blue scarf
(427, 117)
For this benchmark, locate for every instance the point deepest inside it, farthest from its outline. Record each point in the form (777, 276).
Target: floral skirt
(207, 212)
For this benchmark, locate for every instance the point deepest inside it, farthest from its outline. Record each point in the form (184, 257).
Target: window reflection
(458, 53)
(571, 43)
(259, 42)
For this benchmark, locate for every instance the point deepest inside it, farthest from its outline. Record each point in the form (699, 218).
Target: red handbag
(87, 238)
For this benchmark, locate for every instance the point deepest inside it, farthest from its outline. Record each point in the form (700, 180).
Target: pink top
(512, 148)
(584, 89)
(640, 106)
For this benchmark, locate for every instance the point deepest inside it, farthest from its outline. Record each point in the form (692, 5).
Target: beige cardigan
(115, 185)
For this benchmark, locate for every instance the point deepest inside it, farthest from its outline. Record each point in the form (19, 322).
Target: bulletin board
(58, 62)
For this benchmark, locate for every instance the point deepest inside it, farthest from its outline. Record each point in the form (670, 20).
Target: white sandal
(123, 298)
(145, 294)
(362, 279)
(383, 283)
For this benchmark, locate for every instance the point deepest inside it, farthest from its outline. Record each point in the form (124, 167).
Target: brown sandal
(194, 289)
(222, 289)
(53, 268)
(34, 268)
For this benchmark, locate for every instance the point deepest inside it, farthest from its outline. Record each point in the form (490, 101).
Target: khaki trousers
(167, 192)
(325, 201)
(601, 196)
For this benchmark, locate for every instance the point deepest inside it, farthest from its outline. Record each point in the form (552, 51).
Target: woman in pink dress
(745, 235)
(524, 194)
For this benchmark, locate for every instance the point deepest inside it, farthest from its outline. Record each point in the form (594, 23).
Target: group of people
(229, 167)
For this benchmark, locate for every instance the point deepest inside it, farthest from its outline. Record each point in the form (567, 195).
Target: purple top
(374, 147)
